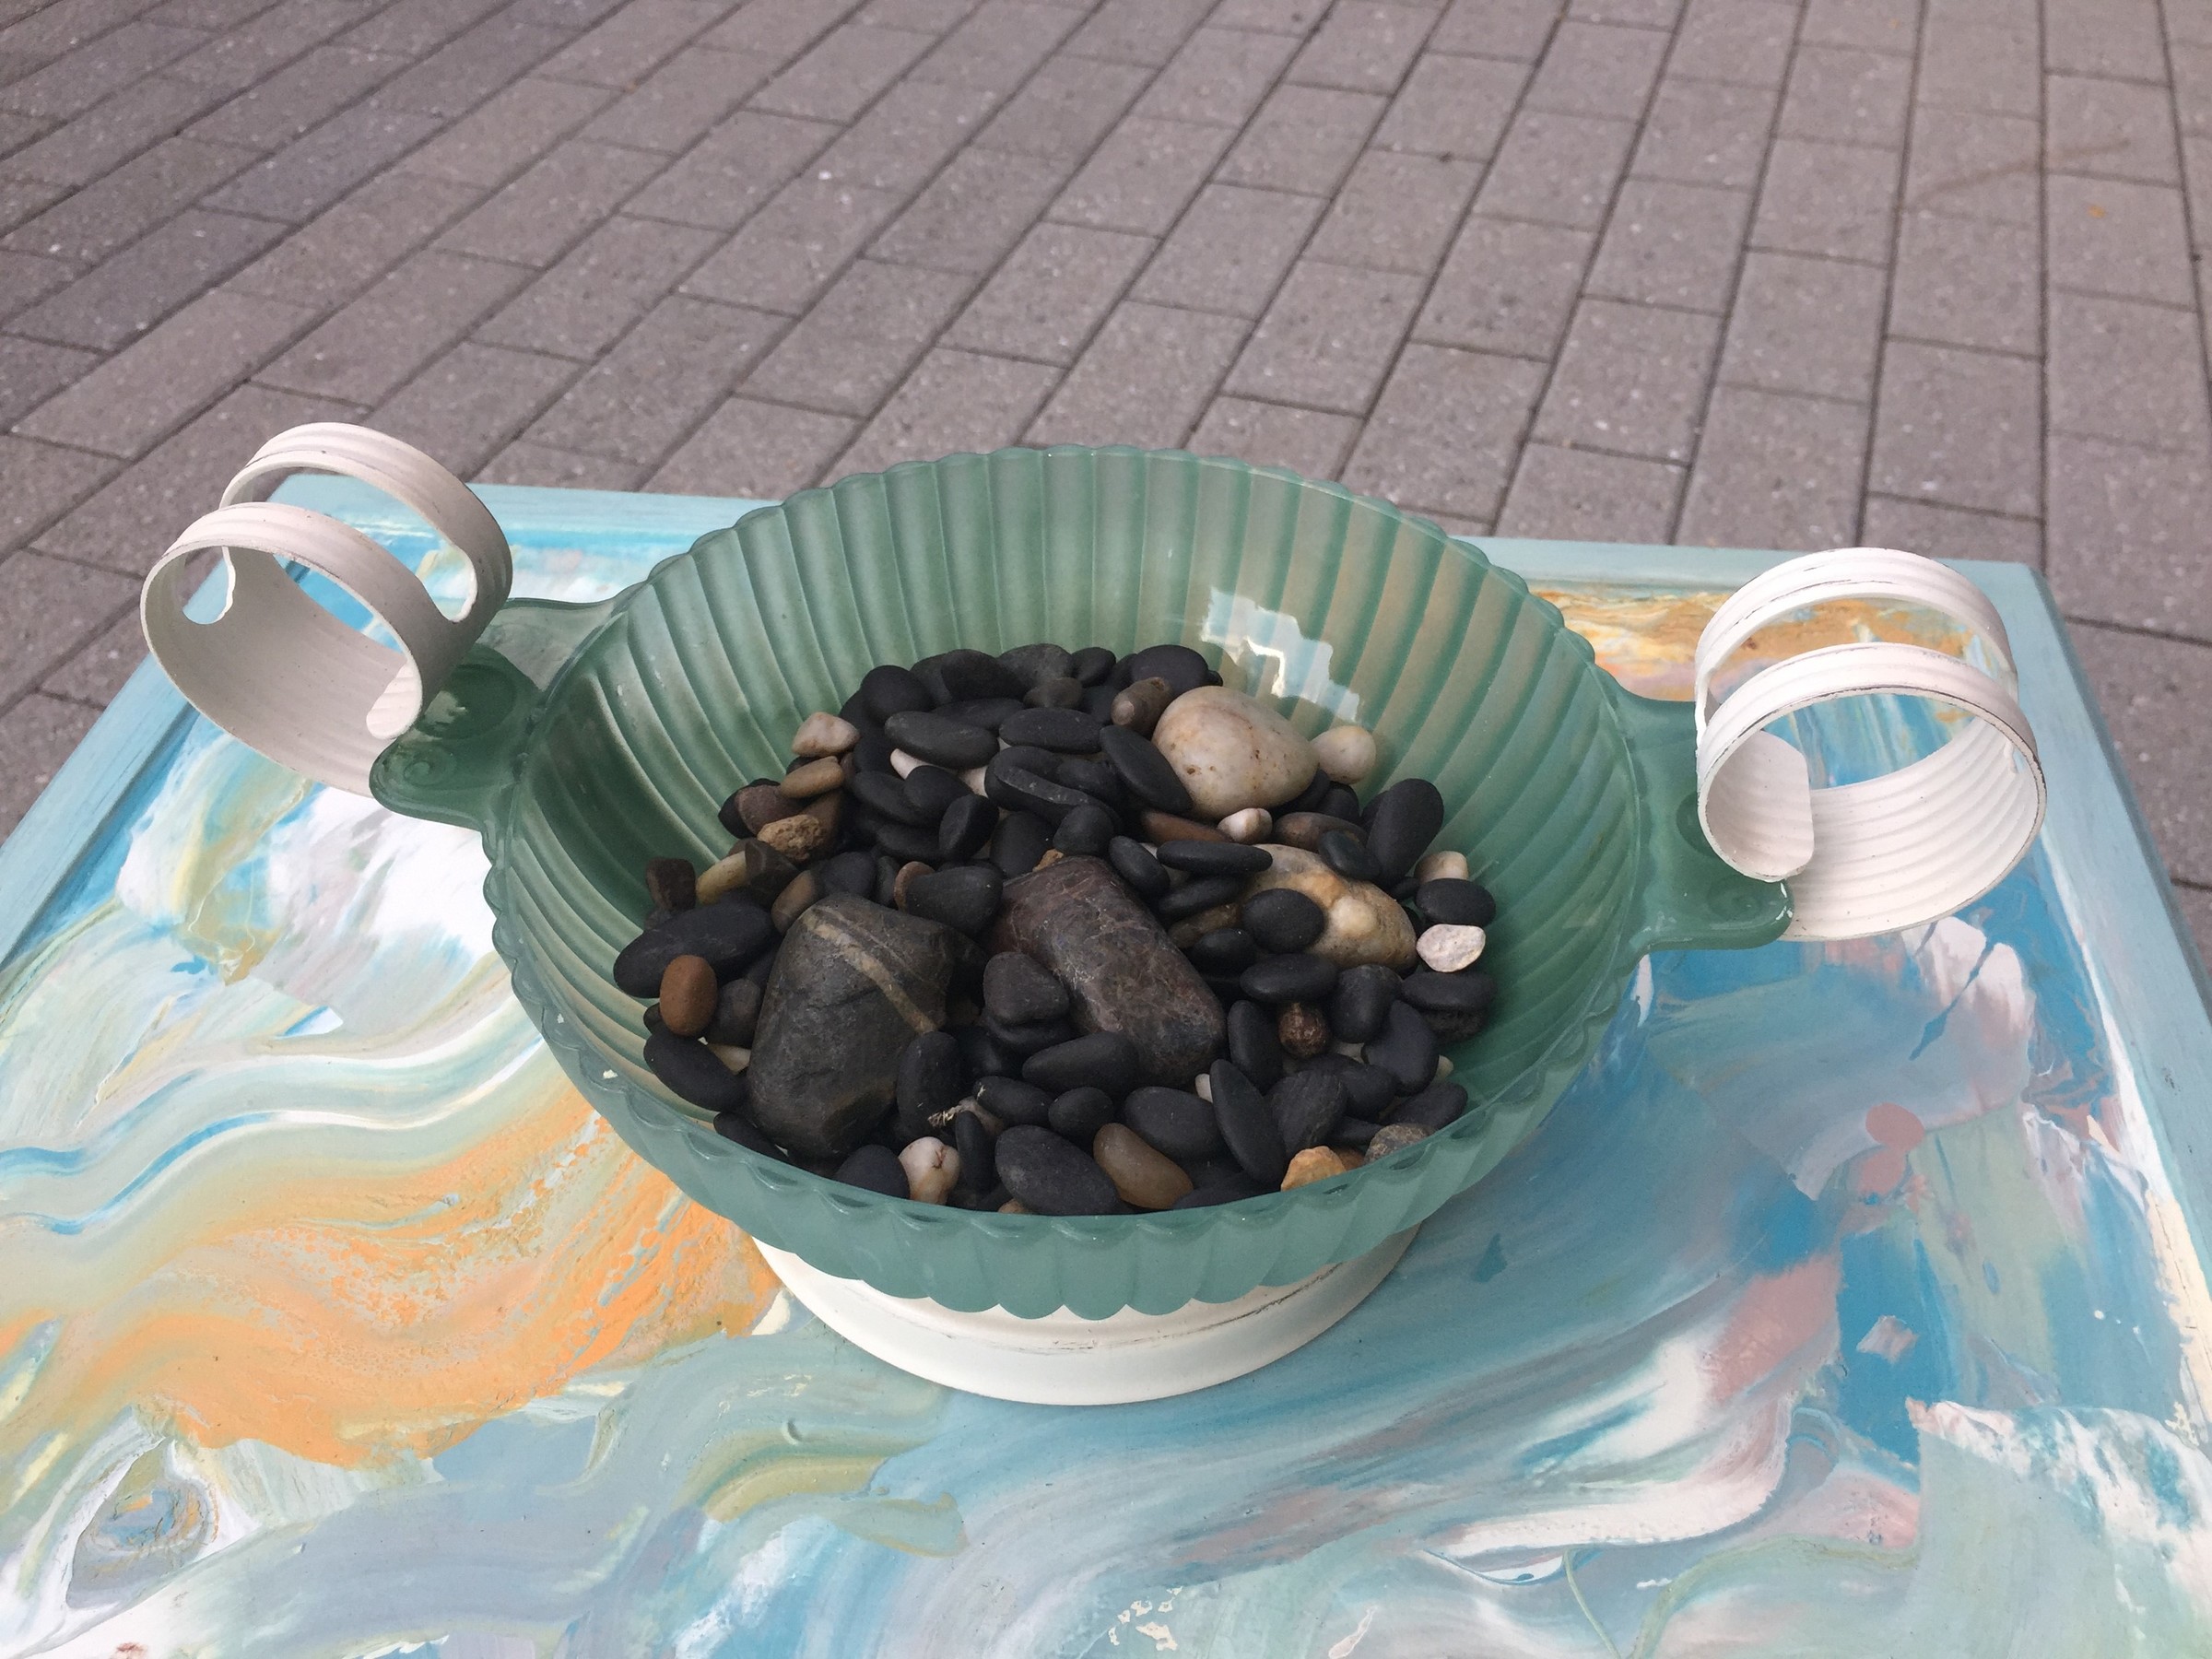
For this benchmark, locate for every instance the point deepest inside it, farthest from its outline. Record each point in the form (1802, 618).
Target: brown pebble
(1015, 1206)
(1166, 827)
(760, 805)
(830, 810)
(753, 866)
(1304, 829)
(1191, 929)
(671, 884)
(688, 992)
(1351, 1157)
(824, 734)
(1146, 1178)
(907, 873)
(1141, 705)
(798, 837)
(1052, 856)
(1394, 1138)
(1302, 1030)
(816, 777)
(794, 898)
(1315, 1163)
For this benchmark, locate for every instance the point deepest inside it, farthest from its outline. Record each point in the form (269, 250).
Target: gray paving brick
(2192, 89)
(1873, 25)
(367, 351)
(36, 737)
(2124, 534)
(542, 213)
(99, 219)
(1269, 16)
(51, 31)
(907, 136)
(605, 283)
(1304, 138)
(729, 174)
(473, 65)
(954, 402)
(293, 101)
(1592, 69)
(1810, 325)
(1446, 429)
(1396, 212)
(1306, 441)
(2114, 129)
(1968, 282)
(412, 27)
(1363, 46)
(2188, 22)
(634, 42)
(2104, 237)
(1776, 471)
(1984, 68)
(1456, 107)
(1743, 40)
(1067, 107)
(1672, 244)
(2153, 693)
(1961, 428)
(1329, 339)
(1835, 200)
(1140, 31)
(1950, 531)
(790, 250)
(16, 130)
(22, 198)
(2132, 372)
(1143, 176)
(1145, 380)
(522, 462)
(755, 449)
(112, 131)
(1974, 166)
(2104, 37)
(2196, 170)
(26, 278)
(235, 60)
(1578, 495)
(1049, 296)
(77, 81)
(344, 248)
(50, 609)
(1631, 379)
(776, 31)
(1502, 28)
(1631, 14)
(309, 173)
(999, 47)
(2196, 911)
(1220, 76)
(44, 481)
(207, 14)
(130, 519)
(973, 212)
(1701, 132)
(1232, 250)
(838, 78)
(1506, 287)
(931, 16)
(463, 407)
(102, 665)
(680, 100)
(1558, 169)
(860, 339)
(136, 397)
(497, 141)
(118, 300)
(1846, 94)
(32, 370)
(637, 402)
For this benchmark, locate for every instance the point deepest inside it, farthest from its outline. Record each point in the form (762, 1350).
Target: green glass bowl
(581, 740)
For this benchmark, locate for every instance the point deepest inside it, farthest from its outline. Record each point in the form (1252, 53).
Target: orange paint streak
(1777, 1315)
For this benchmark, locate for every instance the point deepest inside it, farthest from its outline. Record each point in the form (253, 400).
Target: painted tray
(335, 1323)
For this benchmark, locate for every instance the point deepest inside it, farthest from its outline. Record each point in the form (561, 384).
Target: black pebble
(1017, 989)
(1247, 1126)
(730, 818)
(1340, 802)
(1470, 991)
(981, 1053)
(1406, 1049)
(1307, 1106)
(1087, 830)
(978, 1172)
(989, 712)
(887, 799)
(1345, 855)
(1201, 894)
(965, 828)
(1224, 986)
(1133, 862)
(1354, 1131)
(933, 790)
(878, 1169)
(1024, 1040)
(956, 675)
(1299, 978)
(1449, 901)
(1063, 731)
(906, 844)
(1033, 664)
(1183, 669)
(1367, 1090)
(853, 872)
(1018, 789)
(1091, 664)
(889, 690)
(964, 898)
(1020, 841)
(1098, 699)
(693, 1074)
(1105, 1060)
(1173, 1120)
(1215, 858)
(1093, 776)
(1401, 823)
(1080, 1114)
(1225, 952)
(729, 934)
(1436, 1107)
(1149, 774)
(932, 1078)
(872, 752)
(736, 1127)
(736, 1011)
(1361, 1001)
(1063, 692)
(1253, 1044)
(1011, 1101)
(1283, 919)
(1222, 1191)
(1308, 799)
(1052, 1177)
(940, 741)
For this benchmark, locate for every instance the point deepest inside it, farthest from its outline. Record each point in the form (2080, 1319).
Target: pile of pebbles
(1053, 932)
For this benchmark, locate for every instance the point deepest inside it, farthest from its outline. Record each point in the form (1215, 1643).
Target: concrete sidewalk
(1722, 272)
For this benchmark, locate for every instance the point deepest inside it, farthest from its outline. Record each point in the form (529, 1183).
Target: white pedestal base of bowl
(1062, 1359)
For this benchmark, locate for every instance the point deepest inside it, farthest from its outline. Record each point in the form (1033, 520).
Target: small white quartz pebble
(1346, 753)
(931, 1168)
(1441, 866)
(1451, 946)
(1444, 1069)
(1203, 1087)
(1253, 825)
(973, 777)
(903, 762)
(731, 1056)
(821, 734)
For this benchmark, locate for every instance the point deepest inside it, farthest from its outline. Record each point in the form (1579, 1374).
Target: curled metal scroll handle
(1890, 851)
(276, 670)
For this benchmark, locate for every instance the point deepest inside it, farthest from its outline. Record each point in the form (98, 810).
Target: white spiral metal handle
(1891, 852)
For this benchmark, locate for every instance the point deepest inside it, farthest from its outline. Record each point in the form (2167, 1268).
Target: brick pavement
(1725, 272)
